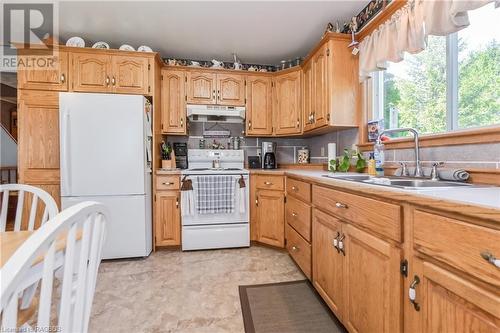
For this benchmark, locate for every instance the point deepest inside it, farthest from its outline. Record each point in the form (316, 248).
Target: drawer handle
(268, 183)
(177, 202)
(63, 78)
(412, 293)
(336, 242)
(341, 244)
(340, 205)
(295, 248)
(294, 189)
(490, 258)
(294, 214)
(168, 183)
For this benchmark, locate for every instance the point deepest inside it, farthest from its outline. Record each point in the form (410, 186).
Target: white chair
(52, 247)
(49, 211)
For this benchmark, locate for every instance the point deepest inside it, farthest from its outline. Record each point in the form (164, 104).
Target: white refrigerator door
(102, 144)
(128, 230)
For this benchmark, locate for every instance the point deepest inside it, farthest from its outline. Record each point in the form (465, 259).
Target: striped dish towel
(215, 194)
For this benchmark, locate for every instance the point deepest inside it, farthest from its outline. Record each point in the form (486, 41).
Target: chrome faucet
(419, 173)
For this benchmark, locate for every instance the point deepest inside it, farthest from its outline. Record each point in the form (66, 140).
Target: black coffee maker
(181, 152)
(269, 155)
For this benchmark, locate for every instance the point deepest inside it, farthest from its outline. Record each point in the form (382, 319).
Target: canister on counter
(303, 155)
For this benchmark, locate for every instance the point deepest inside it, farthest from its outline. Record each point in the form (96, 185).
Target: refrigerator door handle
(65, 160)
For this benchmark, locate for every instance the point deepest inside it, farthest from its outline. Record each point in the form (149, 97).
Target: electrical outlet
(322, 151)
(259, 151)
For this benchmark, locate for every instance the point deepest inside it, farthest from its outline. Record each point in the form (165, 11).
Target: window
(453, 84)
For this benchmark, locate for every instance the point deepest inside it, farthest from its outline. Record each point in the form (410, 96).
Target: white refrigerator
(105, 156)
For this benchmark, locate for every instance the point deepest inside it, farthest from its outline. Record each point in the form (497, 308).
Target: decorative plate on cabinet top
(144, 48)
(75, 42)
(126, 47)
(101, 45)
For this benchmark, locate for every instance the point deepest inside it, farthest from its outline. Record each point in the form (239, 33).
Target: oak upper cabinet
(328, 261)
(373, 288)
(320, 108)
(91, 72)
(307, 98)
(130, 74)
(54, 77)
(287, 107)
(259, 110)
(173, 102)
(271, 219)
(168, 217)
(201, 87)
(230, 90)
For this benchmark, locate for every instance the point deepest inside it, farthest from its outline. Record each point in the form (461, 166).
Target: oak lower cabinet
(287, 103)
(373, 292)
(53, 76)
(259, 109)
(173, 102)
(270, 212)
(168, 218)
(327, 261)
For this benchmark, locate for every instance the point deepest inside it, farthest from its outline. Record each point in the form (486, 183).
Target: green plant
(345, 161)
(166, 151)
(360, 163)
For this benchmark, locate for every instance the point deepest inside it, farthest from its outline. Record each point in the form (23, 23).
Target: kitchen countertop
(478, 202)
(168, 172)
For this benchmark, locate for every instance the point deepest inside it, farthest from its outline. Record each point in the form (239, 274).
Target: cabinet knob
(412, 293)
(298, 123)
(294, 188)
(113, 81)
(177, 202)
(295, 248)
(213, 94)
(340, 205)
(341, 244)
(336, 242)
(249, 124)
(268, 183)
(294, 214)
(63, 78)
(107, 80)
(182, 122)
(490, 258)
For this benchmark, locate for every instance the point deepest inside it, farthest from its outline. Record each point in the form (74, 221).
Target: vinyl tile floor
(174, 291)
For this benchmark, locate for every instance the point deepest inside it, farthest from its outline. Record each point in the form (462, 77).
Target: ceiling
(262, 32)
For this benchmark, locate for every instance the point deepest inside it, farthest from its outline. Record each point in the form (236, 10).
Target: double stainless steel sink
(400, 182)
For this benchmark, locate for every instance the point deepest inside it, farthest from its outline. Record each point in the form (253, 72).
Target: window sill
(489, 134)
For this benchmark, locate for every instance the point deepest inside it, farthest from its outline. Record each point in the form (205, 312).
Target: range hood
(216, 113)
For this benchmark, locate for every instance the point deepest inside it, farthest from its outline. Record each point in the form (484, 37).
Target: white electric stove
(218, 230)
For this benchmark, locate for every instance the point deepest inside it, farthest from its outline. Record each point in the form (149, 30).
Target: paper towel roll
(332, 154)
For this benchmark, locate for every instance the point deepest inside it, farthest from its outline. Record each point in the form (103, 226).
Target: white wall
(8, 149)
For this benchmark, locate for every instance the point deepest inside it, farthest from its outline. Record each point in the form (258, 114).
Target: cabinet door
(230, 90)
(287, 104)
(449, 303)
(168, 218)
(327, 261)
(320, 84)
(201, 88)
(259, 111)
(54, 77)
(373, 290)
(91, 72)
(271, 217)
(130, 75)
(38, 137)
(307, 97)
(173, 102)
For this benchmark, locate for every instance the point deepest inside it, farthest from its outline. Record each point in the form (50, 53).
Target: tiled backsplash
(286, 147)
(461, 156)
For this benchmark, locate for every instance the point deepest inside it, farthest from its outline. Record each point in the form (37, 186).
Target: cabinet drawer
(298, 189)
(457, 243)
(265, 182)
(298, 215)
(299, 249)
(171, 182)
(381, 217)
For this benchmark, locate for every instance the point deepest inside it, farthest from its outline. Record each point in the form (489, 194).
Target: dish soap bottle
(379, 158)
(371, 165)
